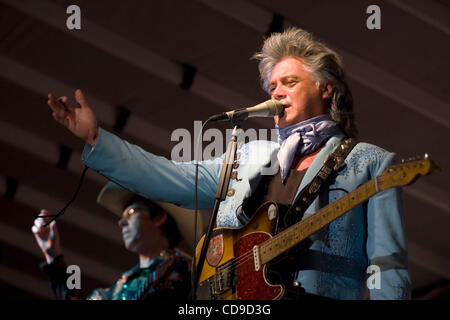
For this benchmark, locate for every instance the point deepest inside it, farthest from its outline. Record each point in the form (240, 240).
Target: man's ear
(160, 218)
(327, 91)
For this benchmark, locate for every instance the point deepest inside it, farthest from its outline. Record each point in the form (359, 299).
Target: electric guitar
(236, 261)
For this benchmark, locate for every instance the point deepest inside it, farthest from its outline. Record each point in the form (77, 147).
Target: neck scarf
(302, 139)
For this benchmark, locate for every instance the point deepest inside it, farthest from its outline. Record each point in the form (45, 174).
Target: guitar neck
(296, 233)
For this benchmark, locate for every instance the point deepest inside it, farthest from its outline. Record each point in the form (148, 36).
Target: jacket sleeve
(55, 273)
(153, 176)
(388, 276)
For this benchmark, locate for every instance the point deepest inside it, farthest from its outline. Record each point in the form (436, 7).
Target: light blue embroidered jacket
(372, 234)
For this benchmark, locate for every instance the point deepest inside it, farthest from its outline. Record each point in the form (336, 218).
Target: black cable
(55, 216)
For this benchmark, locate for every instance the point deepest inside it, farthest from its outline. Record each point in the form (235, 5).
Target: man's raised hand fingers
(38, 229)
(44, 213)
(56, 106)
(37, 225)
(59, 115)
(52, 102)
(60, 109)
(79, 97)
(63, 99)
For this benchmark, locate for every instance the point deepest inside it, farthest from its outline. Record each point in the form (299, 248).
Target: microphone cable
(63, 210)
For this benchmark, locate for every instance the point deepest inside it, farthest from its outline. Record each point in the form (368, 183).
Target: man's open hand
(81, 120)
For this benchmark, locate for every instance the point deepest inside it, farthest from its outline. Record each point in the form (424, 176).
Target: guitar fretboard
(296, 233)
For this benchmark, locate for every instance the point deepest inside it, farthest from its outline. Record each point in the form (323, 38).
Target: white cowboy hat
(114, 198)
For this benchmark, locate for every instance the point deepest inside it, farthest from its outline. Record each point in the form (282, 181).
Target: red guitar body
(229, 270)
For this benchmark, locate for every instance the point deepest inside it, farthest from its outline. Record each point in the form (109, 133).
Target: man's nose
(122, 222)
(278, 93)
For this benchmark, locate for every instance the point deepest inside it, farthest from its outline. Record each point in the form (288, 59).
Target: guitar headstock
(408, 171)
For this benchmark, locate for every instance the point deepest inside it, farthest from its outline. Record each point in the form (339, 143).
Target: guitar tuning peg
(425, 156)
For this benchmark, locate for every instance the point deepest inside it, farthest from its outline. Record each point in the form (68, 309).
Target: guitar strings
(247, 256)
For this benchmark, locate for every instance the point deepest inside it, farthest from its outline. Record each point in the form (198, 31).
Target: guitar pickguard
(255, 285)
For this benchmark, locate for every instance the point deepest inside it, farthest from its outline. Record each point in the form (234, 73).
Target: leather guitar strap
(332, 164)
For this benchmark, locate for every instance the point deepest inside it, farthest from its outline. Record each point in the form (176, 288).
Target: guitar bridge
(256, 258)
(223, 280)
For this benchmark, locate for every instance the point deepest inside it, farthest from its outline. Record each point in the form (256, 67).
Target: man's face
(138, 229)
(296, 89)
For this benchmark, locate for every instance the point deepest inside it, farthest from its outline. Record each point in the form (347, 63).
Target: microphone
(268, 108)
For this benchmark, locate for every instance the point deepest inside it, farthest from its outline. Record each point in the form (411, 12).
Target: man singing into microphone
(307, 78)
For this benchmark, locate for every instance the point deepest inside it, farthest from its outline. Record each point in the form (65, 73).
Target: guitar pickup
(223, 280)
(256, 258)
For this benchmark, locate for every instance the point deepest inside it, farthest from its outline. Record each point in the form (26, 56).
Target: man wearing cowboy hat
(150, 229)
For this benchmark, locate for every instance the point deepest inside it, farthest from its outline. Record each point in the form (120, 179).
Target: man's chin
(282, 123)
(129, 245)
(278, 121)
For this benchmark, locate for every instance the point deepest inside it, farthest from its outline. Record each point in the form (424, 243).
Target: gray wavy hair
(321, 62)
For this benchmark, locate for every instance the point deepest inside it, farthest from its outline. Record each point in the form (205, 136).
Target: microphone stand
(221, 193)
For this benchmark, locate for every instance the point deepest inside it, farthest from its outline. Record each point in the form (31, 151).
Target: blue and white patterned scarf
(302, 139)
